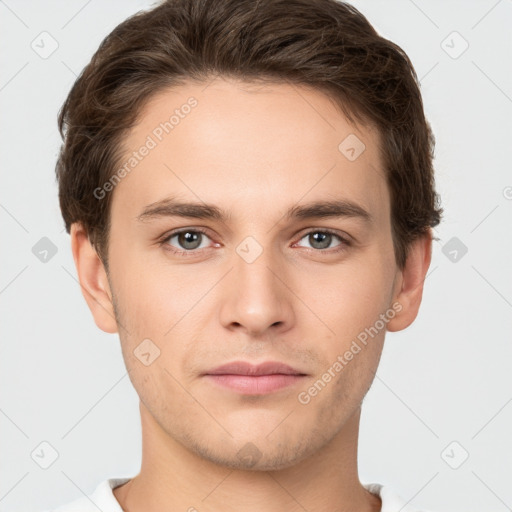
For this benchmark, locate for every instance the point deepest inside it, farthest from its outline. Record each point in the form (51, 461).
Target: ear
(408, 289)
(93, 279)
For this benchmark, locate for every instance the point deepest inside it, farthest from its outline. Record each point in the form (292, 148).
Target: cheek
(151, 301)
(348, 298)
(160, 306)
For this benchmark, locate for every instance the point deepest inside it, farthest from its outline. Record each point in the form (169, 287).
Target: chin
(256, 453)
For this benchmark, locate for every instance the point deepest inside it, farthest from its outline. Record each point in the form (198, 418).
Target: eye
(187, 239)
(322, 239)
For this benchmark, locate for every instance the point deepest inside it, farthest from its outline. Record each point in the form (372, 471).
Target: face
(251, 273)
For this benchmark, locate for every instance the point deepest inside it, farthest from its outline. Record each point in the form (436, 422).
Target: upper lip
(245, 368)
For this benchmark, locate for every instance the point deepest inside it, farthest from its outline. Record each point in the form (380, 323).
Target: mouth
(245, 378)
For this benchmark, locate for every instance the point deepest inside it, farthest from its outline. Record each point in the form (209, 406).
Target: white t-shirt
(103, 499)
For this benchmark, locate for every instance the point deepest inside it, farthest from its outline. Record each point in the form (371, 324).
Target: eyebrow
(170, 207)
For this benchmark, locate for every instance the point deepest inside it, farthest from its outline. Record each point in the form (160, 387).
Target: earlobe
(409, 284)
(93, 280)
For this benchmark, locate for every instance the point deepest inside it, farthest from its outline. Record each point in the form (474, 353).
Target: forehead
(251, 147)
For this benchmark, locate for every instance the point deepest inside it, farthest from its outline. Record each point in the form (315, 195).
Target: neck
(174, 478)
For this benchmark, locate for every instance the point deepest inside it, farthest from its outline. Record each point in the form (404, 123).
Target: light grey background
(445, 379)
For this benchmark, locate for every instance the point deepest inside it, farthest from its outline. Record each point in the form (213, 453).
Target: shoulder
(391, 501)
(102, 498)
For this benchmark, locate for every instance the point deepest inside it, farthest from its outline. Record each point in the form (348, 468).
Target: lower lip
(256, 384)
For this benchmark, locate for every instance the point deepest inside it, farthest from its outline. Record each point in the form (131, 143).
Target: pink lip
(255, 379)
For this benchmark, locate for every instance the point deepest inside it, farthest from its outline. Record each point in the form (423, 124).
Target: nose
(257, 298)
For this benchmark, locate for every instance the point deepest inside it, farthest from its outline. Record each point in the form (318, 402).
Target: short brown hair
(326, 44)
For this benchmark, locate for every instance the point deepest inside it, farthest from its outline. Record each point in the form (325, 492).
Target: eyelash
(163, 242)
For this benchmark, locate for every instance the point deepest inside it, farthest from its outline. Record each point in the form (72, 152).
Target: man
(249, 191)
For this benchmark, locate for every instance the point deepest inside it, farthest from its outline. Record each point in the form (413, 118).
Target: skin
(254, 151)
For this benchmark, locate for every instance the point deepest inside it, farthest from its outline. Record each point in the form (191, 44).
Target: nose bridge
(257, 296)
